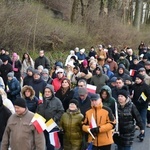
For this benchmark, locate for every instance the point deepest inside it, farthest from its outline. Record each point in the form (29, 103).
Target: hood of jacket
(26, 87)
(51, 87)
(108, 89)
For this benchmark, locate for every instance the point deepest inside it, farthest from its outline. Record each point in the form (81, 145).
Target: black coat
(138, 89)
(38, 86)
(4, 70)
(65, 98)
(126, 116)
(5, 113)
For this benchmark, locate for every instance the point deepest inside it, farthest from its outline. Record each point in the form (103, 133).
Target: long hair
(29, 58)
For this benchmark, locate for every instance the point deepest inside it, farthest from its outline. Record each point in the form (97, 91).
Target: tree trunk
(74, 10)
(138, 14)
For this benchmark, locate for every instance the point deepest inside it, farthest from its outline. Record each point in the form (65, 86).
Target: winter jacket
(109, 73)
(137, 99)
(32, 101)
(109, 101)
(57, 83)
(70, 123)
(105, 120)
(42, 61)
(99, 80)
(14, 89)
(4, 115)
(84, 105)
(126, 118)
(113, 65)
(18, 66)
(4, 70)
(22, 133)
(27, 80)
(51, 107)
(65, 98)
(38, 86)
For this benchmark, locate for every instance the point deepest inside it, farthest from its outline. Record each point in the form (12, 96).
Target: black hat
(122, 54)
(95, 97)
(4, 58)
(20, 102)
(140, 76)
(74, 101)
(123, 92)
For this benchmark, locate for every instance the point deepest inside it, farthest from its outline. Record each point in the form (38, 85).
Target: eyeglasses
(59, 72)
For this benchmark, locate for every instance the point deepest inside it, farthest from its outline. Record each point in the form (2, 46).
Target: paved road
(145, 145)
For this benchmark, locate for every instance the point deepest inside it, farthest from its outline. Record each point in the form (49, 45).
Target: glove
(95, 130)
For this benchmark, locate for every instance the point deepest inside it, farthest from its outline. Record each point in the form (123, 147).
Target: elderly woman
(70, 123)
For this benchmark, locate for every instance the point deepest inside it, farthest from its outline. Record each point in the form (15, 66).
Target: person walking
(70, 123)
(19, 132)
(104, 123)
(5, 113)
(127, 114)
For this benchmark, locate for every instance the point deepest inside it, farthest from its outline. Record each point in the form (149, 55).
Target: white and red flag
(39, 122)
(91, 88)
(93, 122)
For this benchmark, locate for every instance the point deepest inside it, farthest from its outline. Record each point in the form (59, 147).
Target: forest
(62, 25)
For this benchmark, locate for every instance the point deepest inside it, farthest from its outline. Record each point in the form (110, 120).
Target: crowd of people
(110, 114)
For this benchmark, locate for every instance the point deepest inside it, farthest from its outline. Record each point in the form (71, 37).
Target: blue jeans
(124, 147)
(143, 114)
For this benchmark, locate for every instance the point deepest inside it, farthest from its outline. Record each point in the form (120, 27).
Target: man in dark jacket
(38, 84)
(42, 60)
(50, 108)
(141, 96)
(5, 113)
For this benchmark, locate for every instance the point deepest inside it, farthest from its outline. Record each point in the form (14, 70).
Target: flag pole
(91, 133)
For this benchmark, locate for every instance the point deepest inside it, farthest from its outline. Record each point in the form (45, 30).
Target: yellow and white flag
(50, 125)
(143, 96)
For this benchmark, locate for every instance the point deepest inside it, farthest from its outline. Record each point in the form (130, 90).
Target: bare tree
(138, 14)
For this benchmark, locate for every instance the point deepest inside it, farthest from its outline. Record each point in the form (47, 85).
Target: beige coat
(21, 134)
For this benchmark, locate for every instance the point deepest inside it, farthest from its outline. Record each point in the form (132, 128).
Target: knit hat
(10, 74)
(74, 101)
(14, 55)
(20, 102)
(141, 69)
(82, 91)
(36, 72)
(58, 63)
(85, 63)
(113, 79)
(45, 71)
(40, 67)
(95, 97)
(123, 92)
(147, 63)
(140, 76)
(30, 69)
